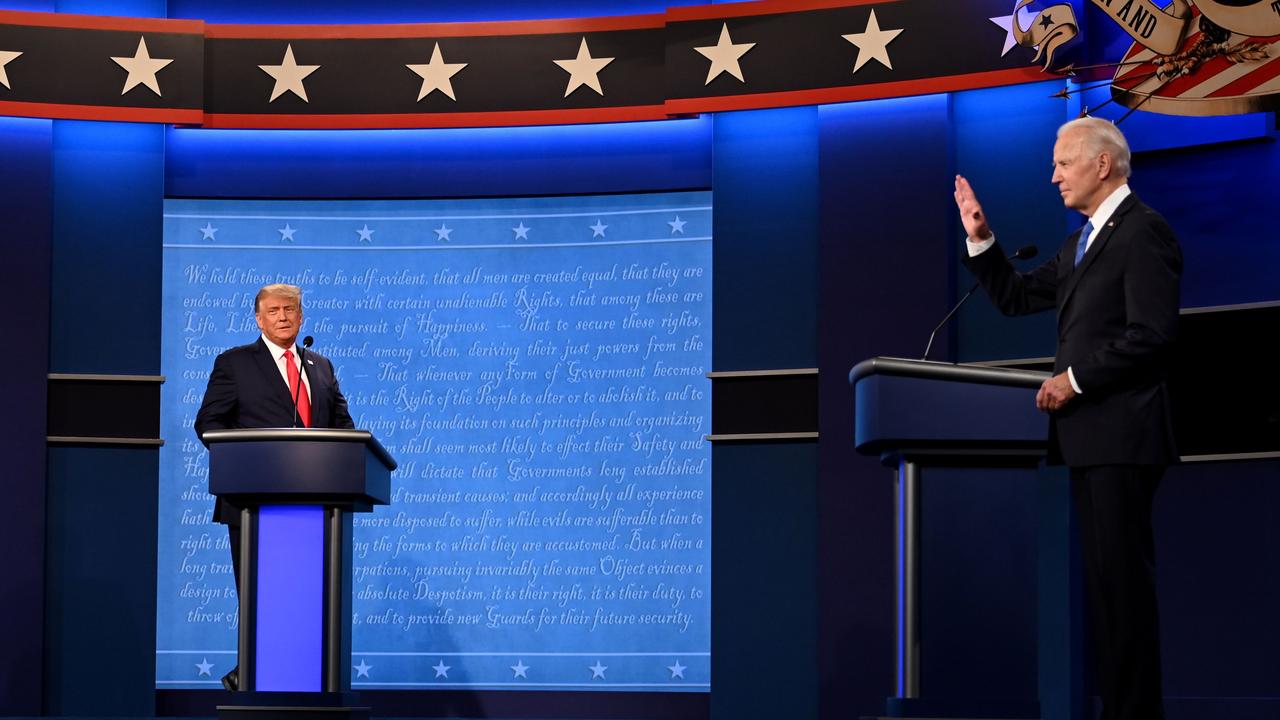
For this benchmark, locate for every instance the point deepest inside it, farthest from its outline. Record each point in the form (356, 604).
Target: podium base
(293, 706)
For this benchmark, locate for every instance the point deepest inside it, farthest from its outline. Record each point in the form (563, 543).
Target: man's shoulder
(242, 351)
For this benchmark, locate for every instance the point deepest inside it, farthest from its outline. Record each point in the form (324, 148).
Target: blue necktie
(1083, 243)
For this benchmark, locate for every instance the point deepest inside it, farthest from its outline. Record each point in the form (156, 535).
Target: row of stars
(584, 70)
(204, 668)
(443, 233)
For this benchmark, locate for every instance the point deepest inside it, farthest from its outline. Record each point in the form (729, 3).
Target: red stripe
(435, 30)
(436, 120)
(764, 7)
(101, 112)
(99, 22)
(1176, 87)
(1242, 85)
(903, 88)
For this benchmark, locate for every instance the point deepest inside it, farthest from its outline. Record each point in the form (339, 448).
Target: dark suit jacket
(1117, 319)
(246, 390)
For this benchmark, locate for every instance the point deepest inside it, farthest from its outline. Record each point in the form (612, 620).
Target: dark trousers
(1113, 506)
(234, 532)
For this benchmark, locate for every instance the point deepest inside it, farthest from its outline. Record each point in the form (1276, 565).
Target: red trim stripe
(101, 22)
(436, 120)
(434, 30)
(876, 91)
(764, 7)
(101, 112)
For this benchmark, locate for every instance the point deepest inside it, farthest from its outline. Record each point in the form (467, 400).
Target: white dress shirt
(277, 353)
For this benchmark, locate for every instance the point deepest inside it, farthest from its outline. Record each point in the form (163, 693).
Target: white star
(522, 232)
(286, 232)
(366, 235)
(6, 57)
(442, 670)
(597, 670)
(677, 225)
(597, 230)
(142, 68)
(1006, 23)
(724, 56)
(289, 75)
(207, 232)
(873, 43)
(435, 75)
(442, 232)
(204, 666)
(677, 670)
(583, 70)
(520, 669)
(362, 670)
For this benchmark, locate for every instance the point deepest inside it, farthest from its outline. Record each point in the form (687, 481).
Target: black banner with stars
(642, 67)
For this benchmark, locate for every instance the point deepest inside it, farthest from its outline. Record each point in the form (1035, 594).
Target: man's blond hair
(292, 292)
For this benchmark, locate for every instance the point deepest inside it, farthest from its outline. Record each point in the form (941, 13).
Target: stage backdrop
(537, 367)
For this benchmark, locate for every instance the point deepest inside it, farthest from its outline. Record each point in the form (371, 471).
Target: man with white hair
(1115, 286)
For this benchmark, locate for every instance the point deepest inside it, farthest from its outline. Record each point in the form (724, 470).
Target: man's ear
(1104, 165)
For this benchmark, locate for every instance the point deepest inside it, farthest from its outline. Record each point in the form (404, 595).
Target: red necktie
(304, 402)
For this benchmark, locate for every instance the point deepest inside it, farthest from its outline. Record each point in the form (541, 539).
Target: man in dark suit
(1115, 285)
(269, 383)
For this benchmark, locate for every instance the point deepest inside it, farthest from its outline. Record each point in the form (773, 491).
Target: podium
(296, 490)
(917, 414)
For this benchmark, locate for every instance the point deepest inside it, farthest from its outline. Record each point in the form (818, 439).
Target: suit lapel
(1097, 248)
(271, 375)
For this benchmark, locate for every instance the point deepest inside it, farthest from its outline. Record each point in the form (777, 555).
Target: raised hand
(971, 215)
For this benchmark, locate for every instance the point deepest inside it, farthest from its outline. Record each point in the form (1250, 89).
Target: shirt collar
(1108, 206)
(276, 351)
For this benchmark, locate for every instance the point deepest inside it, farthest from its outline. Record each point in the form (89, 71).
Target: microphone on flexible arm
(302, 367)
(1022, 253)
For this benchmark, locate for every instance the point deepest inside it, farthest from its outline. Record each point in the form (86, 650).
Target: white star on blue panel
(442, 232)
(442, 670)
(597, 670)
(597, 230)
(362, 670)
(520, 669)
(522, 232)
(677, 670)
(677, 225)
(207, 232)
(286, 232)
(366, 235)
(204, 666)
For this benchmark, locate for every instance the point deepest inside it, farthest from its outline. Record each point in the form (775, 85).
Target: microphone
(1023, 253)
(306, 343)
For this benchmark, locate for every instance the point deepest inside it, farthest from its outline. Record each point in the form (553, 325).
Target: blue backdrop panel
(537, 366)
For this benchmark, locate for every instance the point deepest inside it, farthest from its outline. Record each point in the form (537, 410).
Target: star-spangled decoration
(597, 670)
(1005, 22)
(436, 75)
(522, 232)
(677, 670)
(6, 57)
(208, 231)
(724, 56)
(520, 669)
(677, 225)
(289, 76)
(873, 43)
(442, 670)
(204, 666)
(142, 68)
(362, 670)
(597, 230)
(366, 235)
(583, 70)
(286, 232)
(1046, 20)
(442, 232)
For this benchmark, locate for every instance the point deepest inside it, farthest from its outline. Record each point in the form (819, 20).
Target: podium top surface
(934, 370)
(304, 435)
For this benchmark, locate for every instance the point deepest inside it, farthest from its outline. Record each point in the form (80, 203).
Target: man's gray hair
(292, 292)
(1101, 136)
